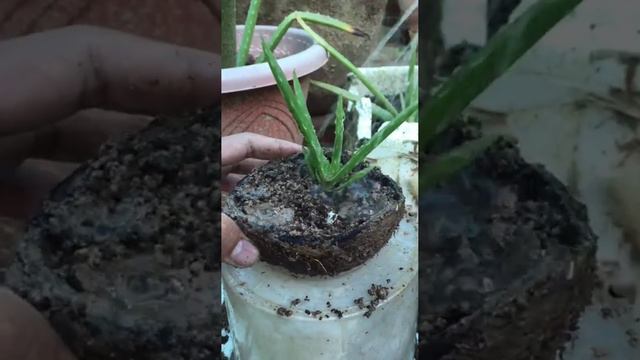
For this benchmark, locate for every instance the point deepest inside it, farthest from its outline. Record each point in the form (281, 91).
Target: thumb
(25, 334)
(236, 249)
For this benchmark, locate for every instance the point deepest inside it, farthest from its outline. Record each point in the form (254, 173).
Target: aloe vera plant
(449, 100)
(330, 173)
(454, 95)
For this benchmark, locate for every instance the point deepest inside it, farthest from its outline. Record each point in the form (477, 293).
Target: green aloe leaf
(355, 177)
(450, 163)
(376, 110)
(319, 19)
(507, 46)
(298, 110)
(360, 155)
(384, 102)
(228, 33)
(336, 161)
(247, 36)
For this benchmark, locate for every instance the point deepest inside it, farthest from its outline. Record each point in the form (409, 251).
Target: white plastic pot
(254, 296)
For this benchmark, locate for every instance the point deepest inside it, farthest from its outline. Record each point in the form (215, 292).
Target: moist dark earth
(123, 259)
(297, 224)
(507, 261)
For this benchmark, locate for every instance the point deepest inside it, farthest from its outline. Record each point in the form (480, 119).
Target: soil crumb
(378, 294)
(284, 312)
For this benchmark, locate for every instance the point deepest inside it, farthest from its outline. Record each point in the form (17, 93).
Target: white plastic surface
(254, 295)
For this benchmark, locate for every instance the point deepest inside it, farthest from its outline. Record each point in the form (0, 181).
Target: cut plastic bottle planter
(369, 312)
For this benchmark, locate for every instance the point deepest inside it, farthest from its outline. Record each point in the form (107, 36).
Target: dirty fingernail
(244, 254)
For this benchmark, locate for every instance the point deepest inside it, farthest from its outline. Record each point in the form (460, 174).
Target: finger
(230, 181)
(50, 75)
(238, 147)
(236, 249)
(25, 334)
(243, 167)
(80, 136)
(76, 138)
(23, 189)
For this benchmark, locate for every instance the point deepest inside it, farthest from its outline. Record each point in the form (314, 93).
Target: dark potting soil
(122, 258)
(507, 261)
(296, 224)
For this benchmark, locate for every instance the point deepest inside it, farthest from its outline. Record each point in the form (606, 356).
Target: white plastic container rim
(255, 76)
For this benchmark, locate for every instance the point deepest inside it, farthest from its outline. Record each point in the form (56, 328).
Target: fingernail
(244, 254)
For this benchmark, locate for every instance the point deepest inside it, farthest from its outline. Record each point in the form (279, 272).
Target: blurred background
(572, 103)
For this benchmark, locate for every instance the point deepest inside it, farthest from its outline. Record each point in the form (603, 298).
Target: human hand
(48, 78)
(45, 79)
(25, 334)
(240, 154)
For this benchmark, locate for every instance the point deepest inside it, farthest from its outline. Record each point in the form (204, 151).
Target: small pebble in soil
(284, 311)
(328, 304)
(295, 302)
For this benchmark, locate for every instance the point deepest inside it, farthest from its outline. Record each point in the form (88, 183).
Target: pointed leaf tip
(357, 32)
